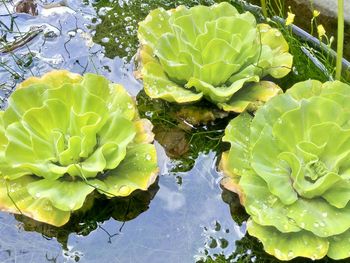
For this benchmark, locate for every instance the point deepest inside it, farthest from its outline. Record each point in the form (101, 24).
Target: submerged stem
(9, 196)
(340, 41)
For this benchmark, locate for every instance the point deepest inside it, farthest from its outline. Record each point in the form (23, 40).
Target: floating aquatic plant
(190, 53)
(64, 136)
(290, 166)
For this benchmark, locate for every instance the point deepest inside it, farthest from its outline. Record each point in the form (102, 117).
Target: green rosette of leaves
(64, 136)
(211, 52)
(290, 165)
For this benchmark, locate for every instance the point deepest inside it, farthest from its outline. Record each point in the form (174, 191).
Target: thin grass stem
(263, 6)
(17, 27)
(340, 40)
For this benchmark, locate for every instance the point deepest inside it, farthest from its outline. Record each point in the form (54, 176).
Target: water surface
(185, 217)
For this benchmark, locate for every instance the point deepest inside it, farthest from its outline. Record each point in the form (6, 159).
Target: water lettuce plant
(290, 166)
(211, 52)
(64, 136)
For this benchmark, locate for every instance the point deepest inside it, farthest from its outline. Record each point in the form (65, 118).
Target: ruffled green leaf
(339, 246)
(14, 198)
(235, 162)
(220, 94)
(223, 10)
(18, 102)
(235, 134)
(265, 208)
(67, 196)
(268, 166)
(157, 85)
(270, 113)
(294, 125)
(55, 79)
(138, 170)
(251, 97)
(319, 217)
(306, 89)
(291, 245)
(121, 103)
(339, 195)
(150, 30)
(280, 62)
(3, 138)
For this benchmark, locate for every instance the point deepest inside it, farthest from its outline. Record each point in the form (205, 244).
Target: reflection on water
(178, 227)
(95, 211)
(172, 200)
(184, 131)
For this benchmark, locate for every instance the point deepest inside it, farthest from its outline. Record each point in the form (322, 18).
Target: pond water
(185, 216)
(182, 220)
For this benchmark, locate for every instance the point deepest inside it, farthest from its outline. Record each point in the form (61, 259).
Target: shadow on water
(189, 218)
(184, 131)
(95, 211)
